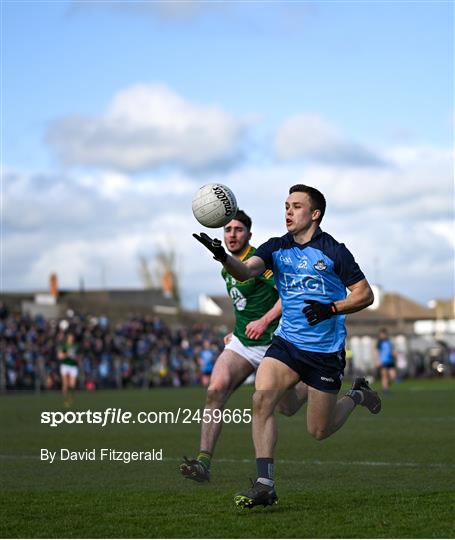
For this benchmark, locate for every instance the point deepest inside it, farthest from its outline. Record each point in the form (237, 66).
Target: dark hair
(317, 199)
(243, 218)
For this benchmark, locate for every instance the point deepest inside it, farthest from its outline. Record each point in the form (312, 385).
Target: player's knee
(318, 433)
(262, 402)
(217, 393)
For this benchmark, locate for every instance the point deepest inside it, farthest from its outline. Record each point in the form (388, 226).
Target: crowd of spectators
(140, 352)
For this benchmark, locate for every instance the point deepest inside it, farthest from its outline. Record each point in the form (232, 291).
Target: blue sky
(338, 94)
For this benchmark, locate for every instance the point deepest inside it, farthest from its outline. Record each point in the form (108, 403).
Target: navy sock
(264, 468)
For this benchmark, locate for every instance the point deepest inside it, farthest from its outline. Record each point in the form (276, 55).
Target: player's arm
(393, 352)
(361, 296)
(377, 359)
(377, 354)
(242, 271)
(253, 267)
(255, 329)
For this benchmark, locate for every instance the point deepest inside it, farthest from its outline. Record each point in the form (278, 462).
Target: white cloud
(115, 186)
(310, 137)
(147, 127)
(32, 201)
(416, 184)
(45, 229)
(398, 222)
(444, 229)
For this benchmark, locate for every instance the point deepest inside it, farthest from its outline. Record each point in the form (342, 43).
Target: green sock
(205, 458)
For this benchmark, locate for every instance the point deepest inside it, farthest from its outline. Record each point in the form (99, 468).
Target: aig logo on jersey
(320, 265)
(301, 283)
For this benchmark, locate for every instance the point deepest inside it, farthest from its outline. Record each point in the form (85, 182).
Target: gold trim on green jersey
(267, 274)
(245, 253)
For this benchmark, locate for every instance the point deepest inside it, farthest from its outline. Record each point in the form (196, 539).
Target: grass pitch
(385, 476)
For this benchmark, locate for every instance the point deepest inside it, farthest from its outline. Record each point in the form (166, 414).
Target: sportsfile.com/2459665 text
(112, 415)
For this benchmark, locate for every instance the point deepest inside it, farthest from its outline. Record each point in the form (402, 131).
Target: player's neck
(240, 254)
(305, 235)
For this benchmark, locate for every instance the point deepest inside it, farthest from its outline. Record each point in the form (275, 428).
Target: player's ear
(316, 215)
(249, 236)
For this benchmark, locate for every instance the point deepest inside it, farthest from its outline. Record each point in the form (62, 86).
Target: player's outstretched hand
(213, 245)
(317, 312)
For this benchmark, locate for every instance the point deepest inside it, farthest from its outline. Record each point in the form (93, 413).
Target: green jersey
(70, 352)
(251, 299)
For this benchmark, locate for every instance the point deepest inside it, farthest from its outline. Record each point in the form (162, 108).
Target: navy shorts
(388, 365)
(323, 371)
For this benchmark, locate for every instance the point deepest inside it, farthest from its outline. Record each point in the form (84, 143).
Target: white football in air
(214, 205)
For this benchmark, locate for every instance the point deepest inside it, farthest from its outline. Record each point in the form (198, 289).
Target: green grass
(384, 476)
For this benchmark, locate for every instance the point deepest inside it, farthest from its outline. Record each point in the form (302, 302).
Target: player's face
(299, 215)
(236, 236)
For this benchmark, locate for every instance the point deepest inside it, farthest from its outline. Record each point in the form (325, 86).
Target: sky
(113, 114)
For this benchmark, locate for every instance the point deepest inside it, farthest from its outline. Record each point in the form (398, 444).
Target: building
(423, 336)
(115, 303)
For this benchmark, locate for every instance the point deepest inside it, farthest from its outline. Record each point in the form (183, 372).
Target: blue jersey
(319, 270)
(385, 351)
(207, 359)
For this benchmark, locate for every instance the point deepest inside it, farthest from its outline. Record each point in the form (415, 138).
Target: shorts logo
(303, 283)
(328, 379)
(320, 265)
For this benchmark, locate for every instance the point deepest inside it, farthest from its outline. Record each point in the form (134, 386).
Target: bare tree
(166, 261)
(163, 273)
(145, 274)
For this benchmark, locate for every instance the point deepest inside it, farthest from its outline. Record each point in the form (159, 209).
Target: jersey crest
(320, 265)
(238, 299)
